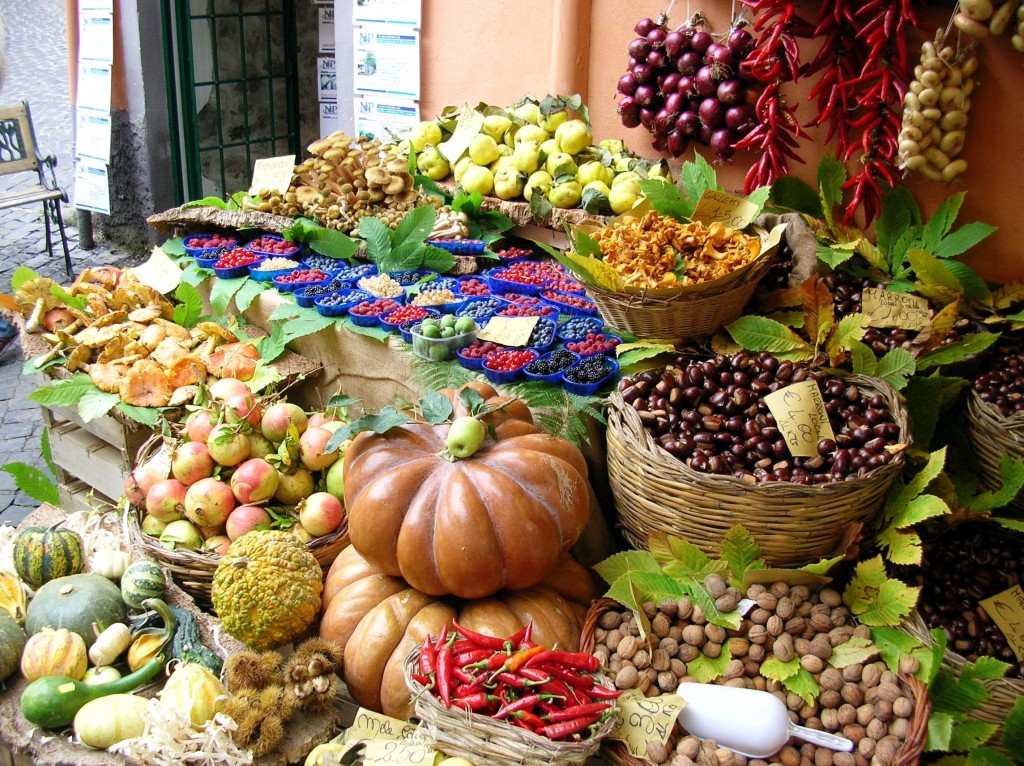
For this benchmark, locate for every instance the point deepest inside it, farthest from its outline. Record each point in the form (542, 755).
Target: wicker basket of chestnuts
(995, 416)
(693, 450)
(884, 712)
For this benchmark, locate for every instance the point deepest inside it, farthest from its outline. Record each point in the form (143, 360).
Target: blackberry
(408, 277)
(589, 370)
(554, 362)
(318, 290)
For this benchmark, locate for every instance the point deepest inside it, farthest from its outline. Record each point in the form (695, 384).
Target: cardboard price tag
(159, 272)
(384, 752)
(888, 309)
(375, 726)
(273, 173)
(735, 212)
(1007, 611)
(509, 331)
(800, 415)
(468, 125)
(640, 719)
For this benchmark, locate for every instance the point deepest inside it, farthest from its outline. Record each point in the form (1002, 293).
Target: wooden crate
(76, 495)
(83, 456)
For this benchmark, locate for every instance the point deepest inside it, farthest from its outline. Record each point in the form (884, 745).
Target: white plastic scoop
(747, 721)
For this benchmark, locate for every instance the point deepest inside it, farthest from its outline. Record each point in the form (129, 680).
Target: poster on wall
(96, 35)
(327, 77)
(381, 118)
(92, 134)
(387, 12)
(94, 86)
(329, 120)
(387, 61)
(325, 18)
(92, 188)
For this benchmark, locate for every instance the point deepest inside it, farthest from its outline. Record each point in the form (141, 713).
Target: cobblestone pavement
(37, 71)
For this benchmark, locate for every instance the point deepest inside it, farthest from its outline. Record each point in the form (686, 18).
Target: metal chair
(18, 154)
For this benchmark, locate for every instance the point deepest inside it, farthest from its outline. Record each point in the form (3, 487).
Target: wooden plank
(76, 495)
(109, 429)
(88, 458)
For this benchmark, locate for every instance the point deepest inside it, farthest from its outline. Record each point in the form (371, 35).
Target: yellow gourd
(194, 690)
(145, 647)
(54, 653)
(108, 720)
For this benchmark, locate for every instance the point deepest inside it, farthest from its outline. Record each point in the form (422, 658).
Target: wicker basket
(481, 739)
(683, 314)
(193, 570)
(992, 437)
(909, 755)
(793, 524)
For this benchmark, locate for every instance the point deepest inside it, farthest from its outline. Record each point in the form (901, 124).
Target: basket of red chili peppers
(509, 701)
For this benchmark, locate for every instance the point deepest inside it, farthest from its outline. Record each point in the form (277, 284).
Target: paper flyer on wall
(381, 117)
(387, 12)
(92, 134)
(94, 86)
(92, 188)
(325, 16)
(387, 61)
(327, 77)
(96, 35)
(329, 119)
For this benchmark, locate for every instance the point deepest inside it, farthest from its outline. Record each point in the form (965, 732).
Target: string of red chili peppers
(774, 59)
(550, 693)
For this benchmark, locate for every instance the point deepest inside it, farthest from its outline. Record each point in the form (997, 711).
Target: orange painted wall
(498, 50)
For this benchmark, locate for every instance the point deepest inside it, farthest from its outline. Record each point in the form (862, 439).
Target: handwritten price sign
(733, 211)
(641, 719)
(1007, 611)
(509, 331)
(801, 416)
(887, 309)
(273, 173)
(385, 752)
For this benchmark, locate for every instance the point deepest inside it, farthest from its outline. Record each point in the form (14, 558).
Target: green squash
(42, 554)
(77, 602)
(141, 580)
(12, 642)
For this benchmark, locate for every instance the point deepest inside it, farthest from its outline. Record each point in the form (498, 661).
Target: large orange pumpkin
(379, 619)
(498, 520)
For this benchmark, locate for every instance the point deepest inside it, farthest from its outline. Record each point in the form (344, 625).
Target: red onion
(647, 116)
(712, 112)
(656, 37)
(627, 84)
(721, 143)
(701, 41)
(688, 123)
(674, 103)
(670, 83)
(628, 106)
(645, 94)
(639, 48)
(740, 117)
(675, 42)
(689, 62)
(740, 42)
(664, 122)
(730, 92)
(719, 54)
(685, 85)
(659, 143)
(704, 82)
(644, 26)
(677, 143)
(644, 74)
(706, 131)
(659, 83)
(630, 119)
(657, 59)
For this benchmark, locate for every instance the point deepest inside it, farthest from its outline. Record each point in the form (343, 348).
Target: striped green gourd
(42, 554)
(141, 580)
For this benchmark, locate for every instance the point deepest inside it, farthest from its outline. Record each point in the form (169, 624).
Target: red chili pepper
(604, 693)
(578, 711)
(444, 674)
(573, 679)
(471, 657)
(442, 637)
(530, 719)
(428, 658)
(463, 645)
(535, 674)
(461, 674)
(564, 729)
(509, 679)
(475, 702)
(523, 657)
(519, 636)
(526, 702)
(580, 660)
(482, 641)
(422, 680)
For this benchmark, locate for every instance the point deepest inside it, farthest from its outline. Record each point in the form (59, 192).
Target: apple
(501, 162)
(508, 183)
(335, 480)
(565, 195)
(465, 435)
(574, 136)
(151, 525)
(57, 319)
(424, 134)
(181, 534)
(431, 163)
(549, 147)
(321, 513)
(460, 168)
(453, 761)
(483, 149)
(540, 180)
(476, 178)
(218, 544)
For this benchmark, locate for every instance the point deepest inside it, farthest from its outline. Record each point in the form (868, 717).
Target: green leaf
(221, 293)
(963, 239)
(595, 201)
(701, 598)
(63, 393)
(273, 345)
(985, 756)
(917, 484)
(875, 599)
(175, 246)
(34, 483)
(974, 287)
(855, 651)
(437, 259)
(901, 547)
(776, 670)
(635, 355)
(791, 192)
(894, 644)
(656, 586)
(818, 309)
(931, 271)
(835, 256)
(1016, 525)
(377, 333)
(216, 202)
(540, 207)
(195, 276)
(247, 293)
(895, 367)
(896, 216)
(741, 552)
(148, 416)
(584, 244)
(864, 360)
(956, 696)
(47, 451)
(957, 351)
(436, 407)
(285, 311)
(626, 562)
(74, 301)
(686, 559)
(850, 328)
(831, 177)
(940, 732)
(264, 375)
(822, 567)
(939, 225)
(190, 308)
(803, 686)
(332, 243)
(414, 227)
(308, 324)
(377, 237)
(759, 197)
(1013, 730)
(667, 199)
(21, 275)
(756, 333)
(970, 734)
(96, 404)
(696, 177)
(985, 668)
(927, 398)
(1012, 479)
(706, 669)
(389, 417)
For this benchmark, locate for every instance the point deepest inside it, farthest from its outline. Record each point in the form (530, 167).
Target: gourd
(12, 642)
(379, 619)
(108, 720)
(110, 563)
(194, 690)
(266, 589)
(52, 702)
(141, 580)
(12, 596)
(187, 645)
(54, 653)
(42, 554)
(77, 602)
(101, 675)
(498, 519)
(110, 644)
